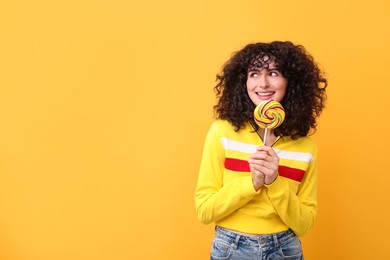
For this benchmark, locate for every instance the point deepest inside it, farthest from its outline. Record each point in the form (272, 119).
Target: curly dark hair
(305, 95)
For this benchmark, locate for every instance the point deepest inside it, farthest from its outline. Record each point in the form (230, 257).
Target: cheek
(282, 85)
(250, 84)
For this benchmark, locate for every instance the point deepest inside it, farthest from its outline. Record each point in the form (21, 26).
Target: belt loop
(235, 244)
(276, 241)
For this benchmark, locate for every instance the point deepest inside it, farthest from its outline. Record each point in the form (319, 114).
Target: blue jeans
(229, 245)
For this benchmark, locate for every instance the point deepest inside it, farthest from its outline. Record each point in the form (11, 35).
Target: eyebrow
(262, 68)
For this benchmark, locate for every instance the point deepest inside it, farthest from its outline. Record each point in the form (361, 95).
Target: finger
(259, 164)
(267, 169)
(264, 165)
(259, 176)
(259, 156)
(261, 159)
(267, 149)
(263, 170)
(273, 154)
(263, 148)
(269, 155)
(255, 169)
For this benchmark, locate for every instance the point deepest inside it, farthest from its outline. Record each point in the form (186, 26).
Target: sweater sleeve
(215, 199)
(296, 209)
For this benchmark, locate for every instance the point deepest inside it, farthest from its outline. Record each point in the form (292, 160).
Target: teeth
(265, 94)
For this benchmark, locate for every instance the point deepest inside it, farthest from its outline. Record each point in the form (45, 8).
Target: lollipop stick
(265, 136)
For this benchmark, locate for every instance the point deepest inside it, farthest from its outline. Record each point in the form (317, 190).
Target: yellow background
(104, 106)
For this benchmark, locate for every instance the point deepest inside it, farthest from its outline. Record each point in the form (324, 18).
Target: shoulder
(224, 127)
(306, 141)
(219, 126)
(221, 123)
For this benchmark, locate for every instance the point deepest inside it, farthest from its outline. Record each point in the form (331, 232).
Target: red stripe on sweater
(284, 171)
(236, 165)
(291, 173)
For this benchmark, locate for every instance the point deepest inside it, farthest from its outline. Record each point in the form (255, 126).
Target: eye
(253, 74)
(274, 73)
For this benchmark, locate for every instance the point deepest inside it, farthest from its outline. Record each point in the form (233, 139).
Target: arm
(215, 199)
(297, 209)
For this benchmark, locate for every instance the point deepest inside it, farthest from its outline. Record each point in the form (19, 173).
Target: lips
(265, 95)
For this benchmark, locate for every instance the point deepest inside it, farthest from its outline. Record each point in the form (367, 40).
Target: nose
(263, 81)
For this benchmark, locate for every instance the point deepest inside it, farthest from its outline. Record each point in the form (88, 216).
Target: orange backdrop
(104, 106)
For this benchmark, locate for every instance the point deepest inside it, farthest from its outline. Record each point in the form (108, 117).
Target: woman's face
(266, 84)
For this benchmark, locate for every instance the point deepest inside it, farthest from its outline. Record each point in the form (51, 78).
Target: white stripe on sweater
(251, 148)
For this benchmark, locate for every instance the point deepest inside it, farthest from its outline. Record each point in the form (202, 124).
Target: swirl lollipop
(269, 115)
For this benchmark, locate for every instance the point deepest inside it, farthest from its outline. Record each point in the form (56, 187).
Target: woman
(262, 197)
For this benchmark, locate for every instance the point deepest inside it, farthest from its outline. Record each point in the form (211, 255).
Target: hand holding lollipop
(269, 115)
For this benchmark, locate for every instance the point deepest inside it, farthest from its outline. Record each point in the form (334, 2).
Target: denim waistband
(264, 240)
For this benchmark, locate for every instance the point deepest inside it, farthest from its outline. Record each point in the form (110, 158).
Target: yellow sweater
(225, 193)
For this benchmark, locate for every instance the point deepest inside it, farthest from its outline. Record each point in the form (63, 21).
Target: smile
(264, 94)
